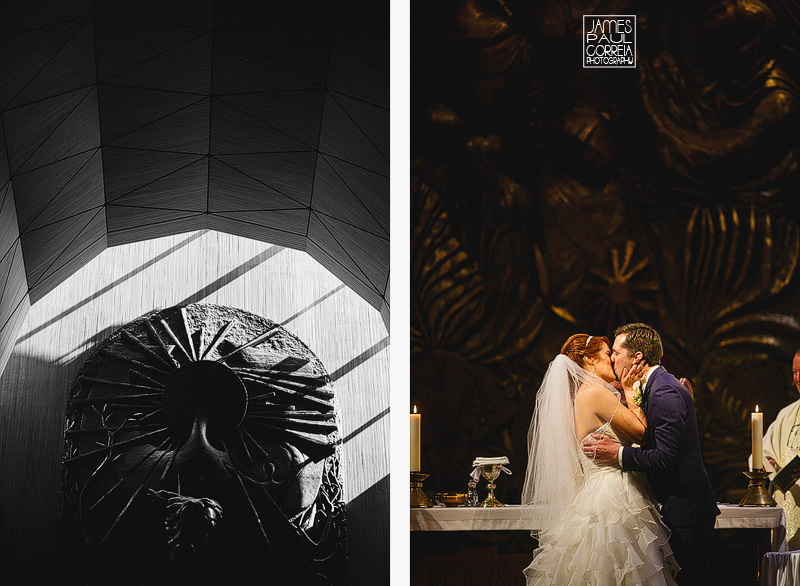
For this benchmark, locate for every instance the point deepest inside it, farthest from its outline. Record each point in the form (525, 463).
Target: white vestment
(782, 443)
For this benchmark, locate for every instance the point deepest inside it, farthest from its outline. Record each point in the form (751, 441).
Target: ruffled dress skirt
(611, 535)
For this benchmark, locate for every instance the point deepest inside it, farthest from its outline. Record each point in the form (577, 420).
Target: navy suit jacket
(671, 457)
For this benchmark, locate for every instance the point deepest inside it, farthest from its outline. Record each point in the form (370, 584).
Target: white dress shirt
(644, 386)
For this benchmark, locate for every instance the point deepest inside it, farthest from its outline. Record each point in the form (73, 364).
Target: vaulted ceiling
(124, 121)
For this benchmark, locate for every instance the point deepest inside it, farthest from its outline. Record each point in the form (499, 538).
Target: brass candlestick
(418, 496)
(757, 493)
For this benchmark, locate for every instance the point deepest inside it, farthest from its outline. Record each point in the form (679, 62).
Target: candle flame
(415, 408)
(756, 408)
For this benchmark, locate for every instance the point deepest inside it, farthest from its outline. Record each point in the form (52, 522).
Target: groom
(671, 456)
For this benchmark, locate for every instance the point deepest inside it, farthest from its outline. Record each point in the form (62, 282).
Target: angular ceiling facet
(124, 121)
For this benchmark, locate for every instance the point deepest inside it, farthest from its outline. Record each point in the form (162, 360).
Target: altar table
(509, 518)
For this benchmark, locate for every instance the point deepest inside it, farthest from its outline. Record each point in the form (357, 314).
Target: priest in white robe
(781, 444)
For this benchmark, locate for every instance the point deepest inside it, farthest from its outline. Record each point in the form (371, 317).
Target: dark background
(549, 199)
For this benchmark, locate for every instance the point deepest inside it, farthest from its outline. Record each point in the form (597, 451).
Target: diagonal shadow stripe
(116, 283)
(313, 305)
(233, 275)
(368, 424)
(360, 359)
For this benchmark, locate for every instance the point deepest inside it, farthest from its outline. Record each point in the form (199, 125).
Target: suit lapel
(647, 387)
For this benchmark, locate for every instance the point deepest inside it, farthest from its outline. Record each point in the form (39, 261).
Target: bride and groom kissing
(615, 488)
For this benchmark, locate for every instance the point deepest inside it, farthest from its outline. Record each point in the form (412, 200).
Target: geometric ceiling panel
(253, 123)
(131, 224)
(14, 300)
(373, 121)
(185, 68)
(242, 225)
(123, 121)
(61, 248)
(385, 304)
(365, 249)
(59, 190)
(285, 179)
(35, 131)
(13, 285)
(24, 55)
(13, 282)
(365, 209)
(302, 48)
(9, 231)
(185, 189)
(367, 187)
(124, 43)
(320, 235)
(185, 130)
(128, 170)
(159, 120)
(35, 15)
(70, 67)
(359, 69)
(78, 132)
(342, 138)
(240, 69)
(232, 191)
(355, 281)
(290, 221)
(5, 171)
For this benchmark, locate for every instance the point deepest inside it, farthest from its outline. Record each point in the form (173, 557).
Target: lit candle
(757, 429)
(416, 422)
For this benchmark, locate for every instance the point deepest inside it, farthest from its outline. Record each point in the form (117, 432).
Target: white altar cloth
(780, 568)
(509, 518)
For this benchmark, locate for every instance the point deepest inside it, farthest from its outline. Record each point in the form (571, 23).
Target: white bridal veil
(554, 457)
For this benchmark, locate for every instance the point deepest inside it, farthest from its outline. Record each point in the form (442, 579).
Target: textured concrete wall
(124, 282)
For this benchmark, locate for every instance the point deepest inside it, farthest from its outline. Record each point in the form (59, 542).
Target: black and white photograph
(194, 293)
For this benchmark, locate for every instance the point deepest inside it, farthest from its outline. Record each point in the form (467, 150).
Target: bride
(595, 524)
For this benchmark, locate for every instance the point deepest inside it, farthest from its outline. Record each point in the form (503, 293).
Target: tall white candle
(757, 431)
(416, 424)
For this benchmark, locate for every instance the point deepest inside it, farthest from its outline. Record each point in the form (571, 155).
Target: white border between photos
(399, 389)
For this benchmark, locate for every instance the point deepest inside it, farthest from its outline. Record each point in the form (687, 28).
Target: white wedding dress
(611, 533)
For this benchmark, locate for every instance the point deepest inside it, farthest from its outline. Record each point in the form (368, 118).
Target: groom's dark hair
(642, 338)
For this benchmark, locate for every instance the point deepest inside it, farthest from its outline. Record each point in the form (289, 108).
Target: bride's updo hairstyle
(581, 347)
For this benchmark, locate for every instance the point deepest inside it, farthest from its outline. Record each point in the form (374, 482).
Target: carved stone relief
(202, 446)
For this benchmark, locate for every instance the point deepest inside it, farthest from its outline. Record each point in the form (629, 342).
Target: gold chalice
(490, 472)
